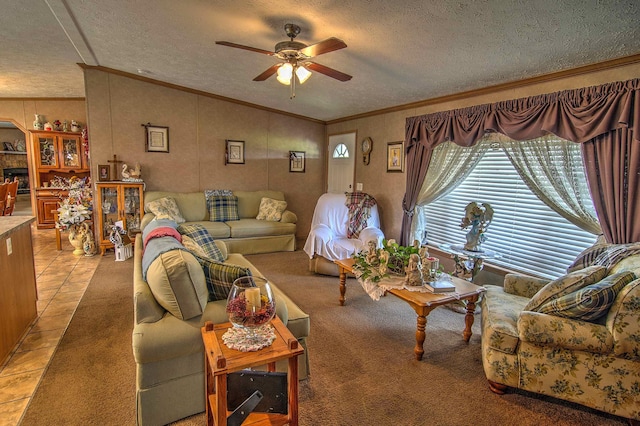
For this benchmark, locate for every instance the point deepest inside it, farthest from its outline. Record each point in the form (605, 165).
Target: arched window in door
(341, 151)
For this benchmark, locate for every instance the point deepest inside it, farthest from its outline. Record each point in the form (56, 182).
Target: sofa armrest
(148, 217)
(288, 217)
(146, 307)
(523, 285)
(550, 330)
(623, 321)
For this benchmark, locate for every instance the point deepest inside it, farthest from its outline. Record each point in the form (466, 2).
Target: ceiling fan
(295, 57)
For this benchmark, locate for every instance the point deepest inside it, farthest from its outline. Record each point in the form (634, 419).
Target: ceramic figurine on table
(48, 126)
(413, 270)
(75, 126)
(372, 256)
(479, 217)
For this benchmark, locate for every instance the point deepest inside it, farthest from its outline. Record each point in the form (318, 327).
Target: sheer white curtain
(549, 167)
(450, 165)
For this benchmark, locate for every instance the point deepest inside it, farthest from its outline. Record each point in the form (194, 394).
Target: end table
(219, 361)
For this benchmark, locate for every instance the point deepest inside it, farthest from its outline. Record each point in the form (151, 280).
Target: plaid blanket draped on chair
(359, 204)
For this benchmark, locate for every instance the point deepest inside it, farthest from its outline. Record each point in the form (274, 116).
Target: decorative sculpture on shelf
(131, 175)
(479, 217)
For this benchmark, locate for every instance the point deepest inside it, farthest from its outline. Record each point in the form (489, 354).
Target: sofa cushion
(566, 284)
(199, 235)
(165, 208)
(271, 209)
(249, 201)
(220, 276)
(177, 282)
(223, 208)
(244, 228)
(192, 205)
(590, 302)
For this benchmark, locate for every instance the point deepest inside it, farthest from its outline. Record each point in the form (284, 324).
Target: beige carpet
(363, 371)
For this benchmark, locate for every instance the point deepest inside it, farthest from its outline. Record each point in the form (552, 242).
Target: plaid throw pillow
(220, 277)
(590, 302)
(223, 208)
(203, 239)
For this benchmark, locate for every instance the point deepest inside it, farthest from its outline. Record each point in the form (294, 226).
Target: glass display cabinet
(117, 202)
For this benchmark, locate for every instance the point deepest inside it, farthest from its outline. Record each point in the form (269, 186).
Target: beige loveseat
(247, 235)
(168, 351)
(593, 362)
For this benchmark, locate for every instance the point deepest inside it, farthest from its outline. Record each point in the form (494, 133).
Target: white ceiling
(398, 52)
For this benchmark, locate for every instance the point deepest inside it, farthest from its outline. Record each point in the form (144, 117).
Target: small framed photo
(104, 172)
(395, 157)
(157, 138)
(296, 161)
(234, 152)
(8, 146)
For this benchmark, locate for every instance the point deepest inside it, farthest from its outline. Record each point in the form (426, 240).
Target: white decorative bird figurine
(125, 173)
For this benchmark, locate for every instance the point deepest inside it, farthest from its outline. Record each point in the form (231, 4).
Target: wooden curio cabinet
(118, 201)
(56, 154)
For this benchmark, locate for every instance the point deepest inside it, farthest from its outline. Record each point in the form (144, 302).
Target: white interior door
(342, 162)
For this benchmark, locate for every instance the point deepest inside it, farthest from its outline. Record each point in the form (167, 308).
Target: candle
(434, 263)
(253, 299)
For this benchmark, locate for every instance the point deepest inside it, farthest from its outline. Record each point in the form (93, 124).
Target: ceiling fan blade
(328, 71)
(240, 46)
(325, 46)
(268, 73)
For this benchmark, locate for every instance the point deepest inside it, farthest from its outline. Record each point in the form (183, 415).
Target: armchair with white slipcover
(328, 238)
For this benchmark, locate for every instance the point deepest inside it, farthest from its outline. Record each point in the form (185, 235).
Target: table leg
(292, 384)
(343, 284)
(420, 336)
(469, 317)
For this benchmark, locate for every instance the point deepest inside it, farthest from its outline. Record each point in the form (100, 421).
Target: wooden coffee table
(424, 303)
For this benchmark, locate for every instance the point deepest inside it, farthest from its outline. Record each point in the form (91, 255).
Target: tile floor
(61, 280)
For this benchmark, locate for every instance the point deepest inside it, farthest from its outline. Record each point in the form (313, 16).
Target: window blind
(530, 236)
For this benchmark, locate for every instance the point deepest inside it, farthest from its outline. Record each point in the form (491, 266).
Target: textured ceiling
(398, 52)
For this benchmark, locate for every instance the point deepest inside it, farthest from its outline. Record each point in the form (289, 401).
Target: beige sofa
(593, 362)
(247, 235)
(168, 351)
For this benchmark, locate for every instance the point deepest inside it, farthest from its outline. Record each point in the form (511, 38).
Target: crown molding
(573, 72)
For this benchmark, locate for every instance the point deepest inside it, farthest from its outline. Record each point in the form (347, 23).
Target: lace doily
(377, 290)
(243, 340)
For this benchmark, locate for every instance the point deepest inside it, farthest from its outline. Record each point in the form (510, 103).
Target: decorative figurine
(37, 124)
(413, 270)
(372, 256)
(479, 217)
(65, 126)
(75, 126)
(48, 127)
(56, 125)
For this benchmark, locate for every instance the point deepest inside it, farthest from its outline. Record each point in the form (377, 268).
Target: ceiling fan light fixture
(303, 74)
(285, 73)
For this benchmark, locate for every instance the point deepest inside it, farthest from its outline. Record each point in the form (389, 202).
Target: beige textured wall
(198, 126)
(388, 188)
(22, 112)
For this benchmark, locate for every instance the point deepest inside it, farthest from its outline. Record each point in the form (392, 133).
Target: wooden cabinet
(118, 201)
(56, 154)
(48, 200)
(18, 284)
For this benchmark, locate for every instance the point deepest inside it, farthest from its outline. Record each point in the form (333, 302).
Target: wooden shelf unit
(55, 154)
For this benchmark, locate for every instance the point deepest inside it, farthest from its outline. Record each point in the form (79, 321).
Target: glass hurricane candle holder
(251, 304)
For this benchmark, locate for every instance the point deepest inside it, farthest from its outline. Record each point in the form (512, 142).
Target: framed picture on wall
(104, 172)
(234, 152)
(157, 138)
(296, 161)
(395, 157)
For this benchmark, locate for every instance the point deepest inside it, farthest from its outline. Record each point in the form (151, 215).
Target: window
(341, 151)
(530, 236)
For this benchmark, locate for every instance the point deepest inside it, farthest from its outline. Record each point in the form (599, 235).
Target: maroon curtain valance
(594, 115)
(577, 115)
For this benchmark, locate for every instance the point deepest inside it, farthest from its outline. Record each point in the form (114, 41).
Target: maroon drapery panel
(578, 115)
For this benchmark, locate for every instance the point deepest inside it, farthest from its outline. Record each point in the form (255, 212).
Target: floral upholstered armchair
(575, 338)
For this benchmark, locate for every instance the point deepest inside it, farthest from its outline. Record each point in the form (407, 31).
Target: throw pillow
(214, 192)
(271, 209)
(165, 208)
(201, 237)
(220, 277)
(590, 302)
(565, 285)
(223, 208)
(177, 282)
